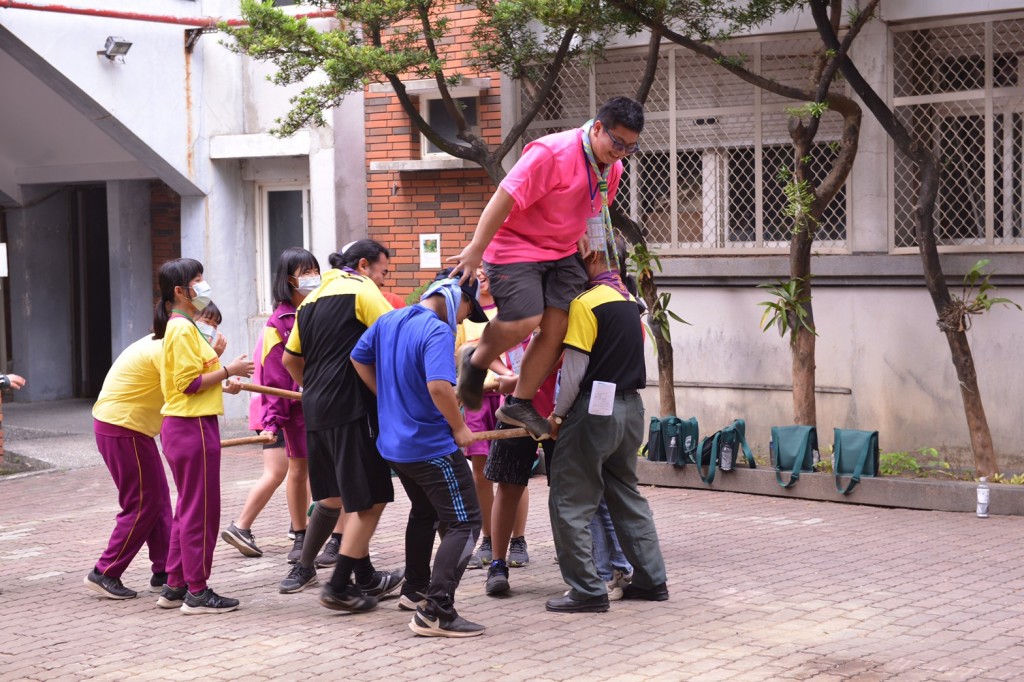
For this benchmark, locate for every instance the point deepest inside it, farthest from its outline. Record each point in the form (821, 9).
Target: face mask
(203, 294)
(207, 330)
(307, 284)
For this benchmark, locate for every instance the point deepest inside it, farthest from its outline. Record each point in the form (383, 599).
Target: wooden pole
(247, 440)
(268, 390)
(500, 434)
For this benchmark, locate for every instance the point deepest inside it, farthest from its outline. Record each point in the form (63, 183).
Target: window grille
(706, 179)
(959, 88)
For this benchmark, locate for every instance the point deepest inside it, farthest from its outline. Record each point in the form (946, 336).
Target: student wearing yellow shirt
(190, 380)
(127, 418)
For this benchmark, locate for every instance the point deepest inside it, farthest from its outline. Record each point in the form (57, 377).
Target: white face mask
(307, 284)
(203, 294)
(207, 330)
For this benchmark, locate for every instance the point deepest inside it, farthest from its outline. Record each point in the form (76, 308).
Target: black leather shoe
(656, 593)
(569, 604)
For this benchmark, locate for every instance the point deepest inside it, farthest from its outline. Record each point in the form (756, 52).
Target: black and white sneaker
(108, 586)
(411, 601)
(157, 582)
(241, 539)
(296, 553)
(328, 557)
(517, 554)
(427, 624)
(298, 579)
(522, 413)
(207, 601)
(383, 583)
(350, 599)
(171, 597)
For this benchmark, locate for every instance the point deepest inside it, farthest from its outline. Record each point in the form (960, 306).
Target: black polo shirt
(606, 326)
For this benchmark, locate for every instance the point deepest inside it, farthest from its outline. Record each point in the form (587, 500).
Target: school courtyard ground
(761, 589)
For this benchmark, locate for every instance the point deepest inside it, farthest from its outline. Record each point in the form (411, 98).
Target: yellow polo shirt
(131, 396)
(186, 356)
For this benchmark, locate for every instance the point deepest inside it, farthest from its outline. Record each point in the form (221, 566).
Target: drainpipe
(198, 22)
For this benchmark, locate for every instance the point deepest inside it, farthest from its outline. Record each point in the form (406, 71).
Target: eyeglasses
(620, 146)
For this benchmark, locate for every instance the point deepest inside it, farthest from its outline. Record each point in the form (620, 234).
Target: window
(283, 221)
(434, 113)
(707, 177)
(956, 86)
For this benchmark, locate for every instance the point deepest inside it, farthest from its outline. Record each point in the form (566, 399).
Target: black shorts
(523, 290)
(344, 462)
(512, 460)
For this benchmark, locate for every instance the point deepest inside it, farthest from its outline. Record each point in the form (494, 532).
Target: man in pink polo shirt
(531, 238)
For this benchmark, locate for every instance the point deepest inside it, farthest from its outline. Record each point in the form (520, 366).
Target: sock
(336, 536)
(475, 373)
(512, 400)
(342, 573)
(321, 523)
(364, 570)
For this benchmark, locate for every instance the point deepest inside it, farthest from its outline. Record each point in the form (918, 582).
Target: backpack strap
(741, 427)
(805, 442)
(862, 458)
(712, 458)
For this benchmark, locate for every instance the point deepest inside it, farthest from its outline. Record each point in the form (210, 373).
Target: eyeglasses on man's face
(620, 146)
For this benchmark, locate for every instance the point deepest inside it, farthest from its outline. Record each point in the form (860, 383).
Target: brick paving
(762, 588)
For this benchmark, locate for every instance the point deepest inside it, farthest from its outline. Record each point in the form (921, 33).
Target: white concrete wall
(130, 249)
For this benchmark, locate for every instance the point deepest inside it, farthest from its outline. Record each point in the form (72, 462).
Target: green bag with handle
(671, 439)
(854, 454)
(721, 449)
(794, 449)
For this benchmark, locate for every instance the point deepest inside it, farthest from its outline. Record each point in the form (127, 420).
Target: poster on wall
(430, 252)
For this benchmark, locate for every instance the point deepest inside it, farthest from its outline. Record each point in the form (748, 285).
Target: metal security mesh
(706, 177)
(957, 88)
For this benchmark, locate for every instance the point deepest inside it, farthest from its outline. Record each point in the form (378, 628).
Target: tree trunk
(802, 342)
(666, 367)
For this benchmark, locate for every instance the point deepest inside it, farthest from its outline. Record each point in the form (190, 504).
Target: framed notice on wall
(430, 252)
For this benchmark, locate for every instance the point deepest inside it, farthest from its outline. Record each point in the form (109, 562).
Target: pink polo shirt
(553, 199)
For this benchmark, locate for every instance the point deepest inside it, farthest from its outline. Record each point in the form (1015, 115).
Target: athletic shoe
(411, 601)
(242, 540)
(291, 532)
(383, 583)
(350, 599)
(108, 586)
(656, 593)
(483, 554)
(328, 557)
(469, 386)
(617, 584)
(567, 603)
(298, 579)
(428, 625)
(171, 597)
(157, 582)
(497, 578)
(523, 413)
(296, 553)
(517, 554)
(207, 601)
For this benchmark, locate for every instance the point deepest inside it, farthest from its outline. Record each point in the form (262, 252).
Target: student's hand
(583, 246)
(219, 344)
(507, 383)
(233, 386)
(555, 426)
(241, 367)
(268, 432)
(463, 436)
(467, 262)
(17, 381)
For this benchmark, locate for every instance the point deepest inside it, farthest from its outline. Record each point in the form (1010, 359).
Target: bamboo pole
(247, 440)
(268, 390)
(500, 434)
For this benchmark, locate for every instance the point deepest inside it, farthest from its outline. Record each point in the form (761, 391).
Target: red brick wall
(402, 205)
(165, 227)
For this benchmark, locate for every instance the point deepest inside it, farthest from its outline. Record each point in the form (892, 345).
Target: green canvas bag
(671, 439)
(854, 454)
(721, 449)
(794, 449)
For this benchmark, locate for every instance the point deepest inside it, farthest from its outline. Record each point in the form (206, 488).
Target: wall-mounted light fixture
(115, 47)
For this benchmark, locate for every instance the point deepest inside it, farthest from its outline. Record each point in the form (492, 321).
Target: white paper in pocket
(602, 399)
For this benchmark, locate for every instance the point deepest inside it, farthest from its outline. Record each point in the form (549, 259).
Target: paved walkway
(762, 589)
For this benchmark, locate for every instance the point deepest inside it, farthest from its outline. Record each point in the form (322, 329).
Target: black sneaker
(157, 582)
(483, 554)
(410, 601)
(298, 579)
(108, 586)
(497, 578)
(171, 597)
(242, 540)
(383, 583)
(328, 557)
(656, 593)
(350, 599)
(517, 554)
(469, 386)
(523, 413)
(291, 532)
(296, 553)
(427, 624)
(207, 601)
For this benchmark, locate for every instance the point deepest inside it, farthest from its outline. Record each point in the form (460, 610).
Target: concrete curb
(952, 496)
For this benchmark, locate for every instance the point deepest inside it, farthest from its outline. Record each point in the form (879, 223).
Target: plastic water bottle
(671, 454)
(983, 495)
